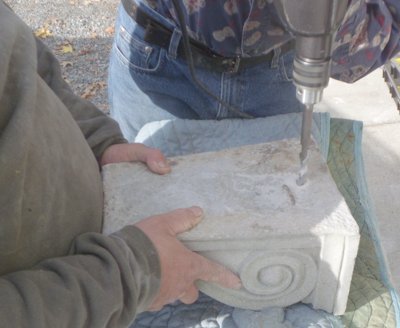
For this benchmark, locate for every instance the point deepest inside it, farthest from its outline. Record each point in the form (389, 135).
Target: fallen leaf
(89, 2)
(67, 48)
(43, 33)
(110, 30)
(92, 88)
(65, 64)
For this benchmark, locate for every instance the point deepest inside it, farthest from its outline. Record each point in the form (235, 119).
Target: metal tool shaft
(305, 141)
(314, 24)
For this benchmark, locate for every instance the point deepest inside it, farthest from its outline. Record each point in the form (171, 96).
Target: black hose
(189, 58)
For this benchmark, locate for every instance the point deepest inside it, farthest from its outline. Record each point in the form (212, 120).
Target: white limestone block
(288, 243)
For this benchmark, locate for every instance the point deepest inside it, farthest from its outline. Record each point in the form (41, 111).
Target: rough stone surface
(287, 243)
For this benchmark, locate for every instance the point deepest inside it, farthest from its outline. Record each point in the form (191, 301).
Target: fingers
(159, 167)
(183, 219)
(171, 223)
(181, 267)
(155, 307)
(214, 272)
(176, 221)
(190, 296)
(154, 159)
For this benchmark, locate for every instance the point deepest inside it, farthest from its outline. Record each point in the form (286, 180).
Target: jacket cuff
(99, 149)
(149, 262)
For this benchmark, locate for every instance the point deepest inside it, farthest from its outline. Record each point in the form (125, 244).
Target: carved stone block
(288, 243)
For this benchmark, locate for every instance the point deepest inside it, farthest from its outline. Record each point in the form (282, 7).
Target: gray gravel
(86, 25)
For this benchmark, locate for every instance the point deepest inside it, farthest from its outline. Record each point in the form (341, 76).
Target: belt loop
(174, 43)
(275, 58)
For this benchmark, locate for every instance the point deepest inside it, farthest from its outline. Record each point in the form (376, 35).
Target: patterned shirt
(367, 38)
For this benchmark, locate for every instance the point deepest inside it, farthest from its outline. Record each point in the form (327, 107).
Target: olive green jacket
(56, 268)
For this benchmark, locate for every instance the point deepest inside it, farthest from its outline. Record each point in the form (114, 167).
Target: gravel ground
(80, 34)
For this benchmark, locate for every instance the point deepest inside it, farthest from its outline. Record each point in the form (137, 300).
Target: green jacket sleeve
(51, 198)
(105, 282)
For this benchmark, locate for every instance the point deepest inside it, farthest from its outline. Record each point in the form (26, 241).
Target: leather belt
(158, 34)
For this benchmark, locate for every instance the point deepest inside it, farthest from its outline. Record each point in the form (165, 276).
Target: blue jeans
(149, 83)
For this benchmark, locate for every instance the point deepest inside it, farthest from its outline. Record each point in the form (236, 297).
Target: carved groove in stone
(277, 274)
(269, 278)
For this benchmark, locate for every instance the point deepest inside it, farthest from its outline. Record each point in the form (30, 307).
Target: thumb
(183, 219)
(158, 166)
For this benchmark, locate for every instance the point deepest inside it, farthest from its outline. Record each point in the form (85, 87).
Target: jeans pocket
(286, 66)
(136, 53)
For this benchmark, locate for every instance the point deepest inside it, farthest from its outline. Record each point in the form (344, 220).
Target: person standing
(242, 58)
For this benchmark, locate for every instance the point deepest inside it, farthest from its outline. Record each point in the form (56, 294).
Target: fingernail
(162, 165)
(237, 284)
(197, 211)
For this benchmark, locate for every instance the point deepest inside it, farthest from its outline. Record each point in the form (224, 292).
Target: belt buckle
(233, 64)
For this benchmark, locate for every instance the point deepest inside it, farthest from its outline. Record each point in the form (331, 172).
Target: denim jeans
(149, 83)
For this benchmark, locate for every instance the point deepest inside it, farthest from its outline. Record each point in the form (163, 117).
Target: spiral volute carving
(279, 274)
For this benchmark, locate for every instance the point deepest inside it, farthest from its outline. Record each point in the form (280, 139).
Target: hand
(180, 267)
(153, 158)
